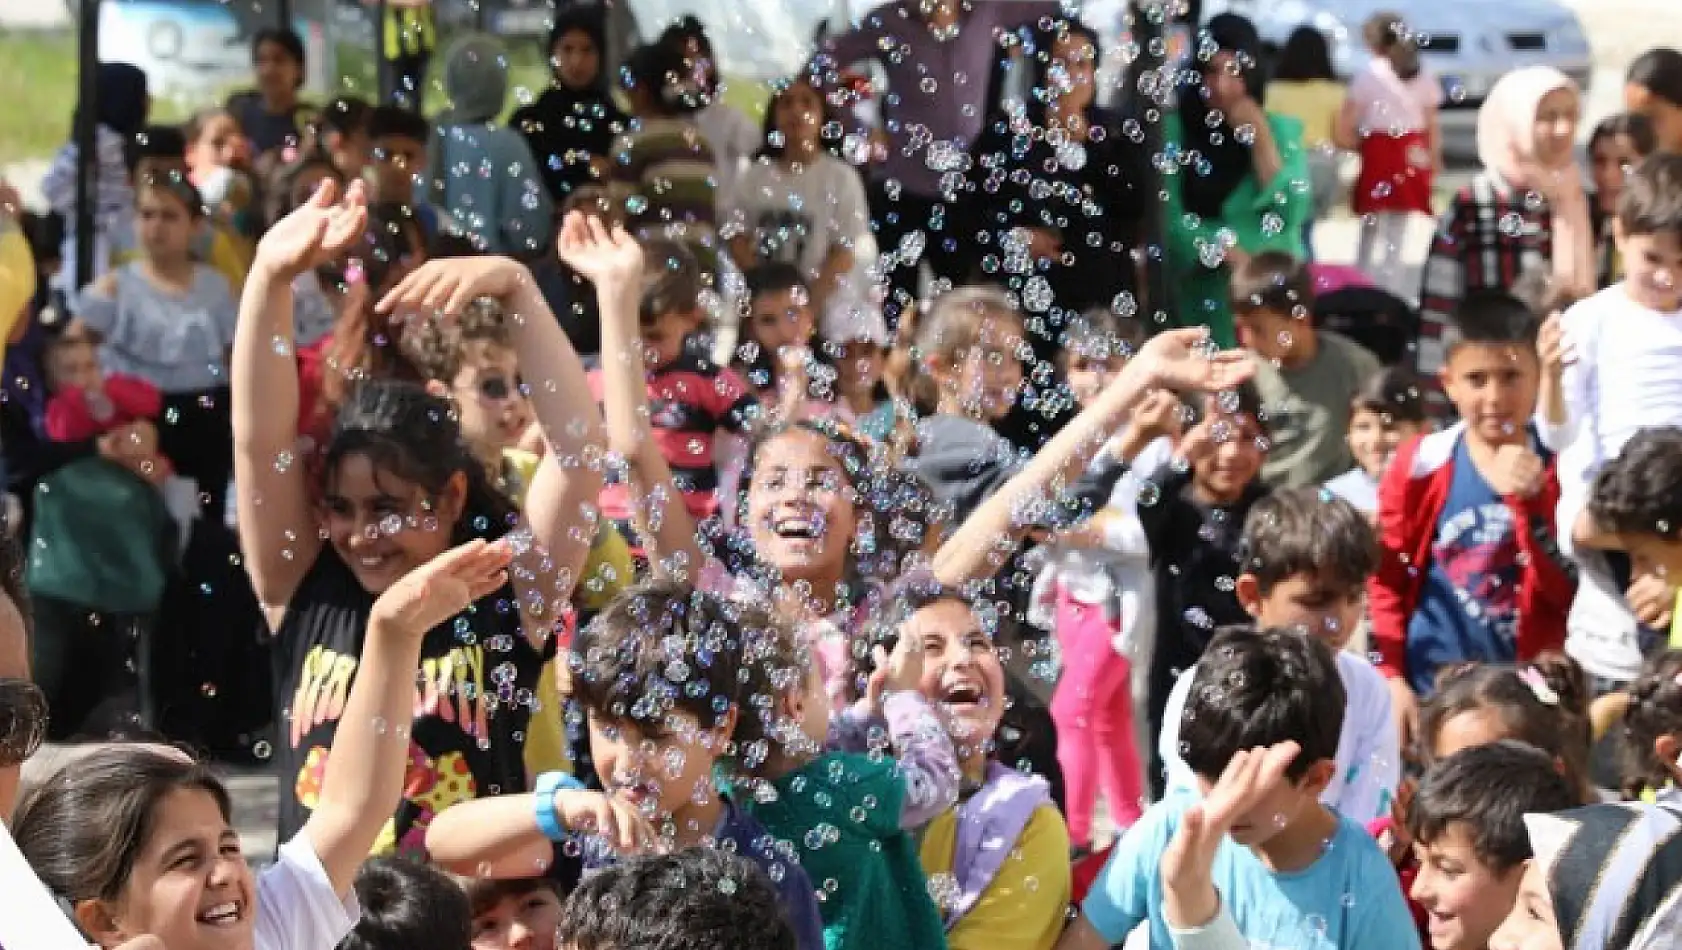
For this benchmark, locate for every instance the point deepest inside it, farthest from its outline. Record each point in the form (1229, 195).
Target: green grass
(38, 87)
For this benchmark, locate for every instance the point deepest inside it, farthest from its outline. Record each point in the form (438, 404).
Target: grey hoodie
(481, 173)
(964, 462)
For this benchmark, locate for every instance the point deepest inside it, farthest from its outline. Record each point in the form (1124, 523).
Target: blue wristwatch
(548, 821)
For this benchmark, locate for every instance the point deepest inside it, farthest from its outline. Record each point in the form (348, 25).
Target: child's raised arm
(560, 507)
(613, 262)
(1175, 359)
(928, 762)
(277, 527)
(364, 778)
(504, 837)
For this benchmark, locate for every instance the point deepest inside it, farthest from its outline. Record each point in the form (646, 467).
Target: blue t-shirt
(1349, 898)
(1468, 602)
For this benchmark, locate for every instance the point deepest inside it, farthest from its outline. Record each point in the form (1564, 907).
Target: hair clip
(1533, 678)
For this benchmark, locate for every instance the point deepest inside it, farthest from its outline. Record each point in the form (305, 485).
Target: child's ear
(1248, 590)
(1318, 777)
(436, 387)
(99, 924)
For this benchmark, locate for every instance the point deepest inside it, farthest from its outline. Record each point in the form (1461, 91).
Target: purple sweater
(937, 89)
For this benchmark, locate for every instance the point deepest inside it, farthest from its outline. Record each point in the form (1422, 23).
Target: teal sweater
(1262, 216)
(841, 812)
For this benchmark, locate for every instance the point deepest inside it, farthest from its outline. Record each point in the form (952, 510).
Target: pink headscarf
(1507, 147)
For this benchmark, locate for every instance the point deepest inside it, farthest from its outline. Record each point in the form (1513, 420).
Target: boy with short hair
(1470, 569)
(1281, 865)
(697, 899)
(1467, 825)
(1305, 560)
(661, 676)
(1623, 374)
(1193, 510)
(341, 134)
(397, 141)
(1389, 409)
(1307, 377)
(692, 400)
(407, 905)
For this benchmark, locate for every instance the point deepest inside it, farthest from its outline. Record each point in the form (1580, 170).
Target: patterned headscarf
(1615, 874)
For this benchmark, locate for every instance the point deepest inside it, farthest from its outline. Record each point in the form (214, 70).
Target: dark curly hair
(697, 899)
(1638, 492)
(1655, 711)
(437, 349)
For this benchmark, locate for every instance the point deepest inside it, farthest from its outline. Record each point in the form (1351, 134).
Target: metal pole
(283, 13)
(87, 145)
(383, 78)
(1148, 85)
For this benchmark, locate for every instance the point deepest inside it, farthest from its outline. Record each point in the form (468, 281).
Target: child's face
(396, 162)
(781, 319)
(1493, 387)
(494, 412)
(1464, 898)
(986, 378)
(349, 152)
(1074, 70)
(858, 367)
(1276, 337)
(165, 227)
(1612, 158)
(961, 673)
(220, 145)
(1088, 374)
(73, 366)
(801, 507)
(1666, 117)
(662, 341)
(190, 885)
(1531, 924)
(278, 74)
(1274, 813)
(659, 774)
(519, 922)
(1556, 127)
(384, 526)
(800, 113)
(1374, 438)
(1234, 459)
(1655, 554)
(1302, 603)
(1652, 268)
(1471, 729)
(576, 59)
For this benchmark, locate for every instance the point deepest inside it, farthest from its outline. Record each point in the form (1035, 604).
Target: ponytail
(1388, 34)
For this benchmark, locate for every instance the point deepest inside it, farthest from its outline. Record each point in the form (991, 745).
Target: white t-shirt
(798, 217)
(734, 139)
(1369, 754)
(296, 906)
(1358, 488)
(1389, 103)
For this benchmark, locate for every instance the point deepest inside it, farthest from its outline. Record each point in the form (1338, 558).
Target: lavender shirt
(935, 103)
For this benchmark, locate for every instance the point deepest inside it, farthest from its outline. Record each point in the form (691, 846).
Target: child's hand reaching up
(1189, 898)
(1187, 360)
(1553, 347)
(317, 231)
(448, 285)
(607, 257)
(897, 672)
(442, 587)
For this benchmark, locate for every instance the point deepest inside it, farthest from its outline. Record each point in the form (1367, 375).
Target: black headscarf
(123, 98)
(589, 19)
(1205, 186)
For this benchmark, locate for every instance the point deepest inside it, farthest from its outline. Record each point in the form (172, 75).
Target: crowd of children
(580, 630)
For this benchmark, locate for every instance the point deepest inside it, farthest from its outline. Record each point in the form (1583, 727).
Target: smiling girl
(138, 839)
(398, 484)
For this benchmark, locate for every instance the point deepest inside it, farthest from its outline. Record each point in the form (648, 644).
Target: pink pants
(1093, 709)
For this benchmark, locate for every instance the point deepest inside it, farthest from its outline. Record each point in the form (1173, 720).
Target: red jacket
(1410, 500)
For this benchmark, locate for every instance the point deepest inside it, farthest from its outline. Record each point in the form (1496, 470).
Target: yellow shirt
(606, 572)
(17, 280)
(1024, 906)
(1314, 102)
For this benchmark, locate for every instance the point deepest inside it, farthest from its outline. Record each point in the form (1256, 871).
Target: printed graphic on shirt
(782, 234)
(1477, 551)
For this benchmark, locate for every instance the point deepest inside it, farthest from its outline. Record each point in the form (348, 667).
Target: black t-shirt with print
(476, 681)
